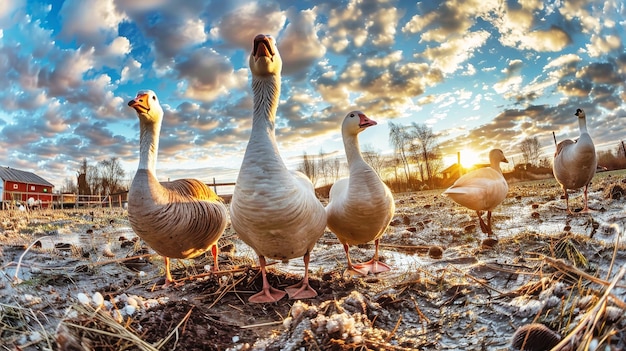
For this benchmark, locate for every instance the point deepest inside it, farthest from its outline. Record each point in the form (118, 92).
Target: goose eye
(153, 97)
(351, 115)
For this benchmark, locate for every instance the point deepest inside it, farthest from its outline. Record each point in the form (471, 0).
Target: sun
(469, 158)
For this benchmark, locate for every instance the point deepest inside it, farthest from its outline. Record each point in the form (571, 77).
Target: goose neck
(495, 164)
(582, 124)
(148, 145)
(353, 151)
(266, 91)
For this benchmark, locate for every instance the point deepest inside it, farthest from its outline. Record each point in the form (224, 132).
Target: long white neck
(582, 124)
(266, 90)
(148, 145)
(495, 164)
(353, 151)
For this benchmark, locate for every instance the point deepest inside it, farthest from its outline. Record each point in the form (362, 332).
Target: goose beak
(140, 103)
(262, 47)
(365, 122)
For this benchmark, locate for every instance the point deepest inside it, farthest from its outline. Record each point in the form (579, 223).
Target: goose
(178, 219)
(361, 206)
(482, 189)
(575, 162)
(273, 210)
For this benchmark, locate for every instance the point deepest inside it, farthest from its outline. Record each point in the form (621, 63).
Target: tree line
(417, 161)
(104, 178)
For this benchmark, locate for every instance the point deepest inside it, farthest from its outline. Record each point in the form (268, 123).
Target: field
(81, 280)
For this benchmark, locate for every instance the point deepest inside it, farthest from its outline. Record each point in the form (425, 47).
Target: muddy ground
(87, 283)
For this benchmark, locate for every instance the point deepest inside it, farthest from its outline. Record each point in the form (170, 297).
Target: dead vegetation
(469, 297)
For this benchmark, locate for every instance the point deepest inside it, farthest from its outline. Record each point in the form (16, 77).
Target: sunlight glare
(469, 158)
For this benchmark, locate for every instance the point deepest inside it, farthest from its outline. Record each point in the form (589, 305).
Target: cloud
(209, 75)
(360, 22)
(601, 45)
(258, 17)
(299, 45)
(512, 79)
(90, 22)
(450, 55)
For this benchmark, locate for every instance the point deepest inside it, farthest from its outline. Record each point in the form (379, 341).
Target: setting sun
(469, 158)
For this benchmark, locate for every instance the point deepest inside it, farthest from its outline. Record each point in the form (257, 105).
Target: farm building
(23, 188)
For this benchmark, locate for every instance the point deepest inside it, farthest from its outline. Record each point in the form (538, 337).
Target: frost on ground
(87, 283)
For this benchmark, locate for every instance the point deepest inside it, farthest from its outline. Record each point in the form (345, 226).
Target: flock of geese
(276, 212)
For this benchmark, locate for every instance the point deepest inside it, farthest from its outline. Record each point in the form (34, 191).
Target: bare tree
(374, 159)
(92, 177)
(69, 186)
(399, 138)
(335, 169)
(111, 175)
(530, 150)
(308, 167)
(426, 149)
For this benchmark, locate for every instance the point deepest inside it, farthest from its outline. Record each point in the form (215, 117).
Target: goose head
(147, 106)
(496, 156)
(355, 122)
(264, 58)
(580, 113)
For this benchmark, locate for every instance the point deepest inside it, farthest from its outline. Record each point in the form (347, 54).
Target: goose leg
(214, 253)
(168, 274)
(483, 226)
(489, 227)
(567, 201)
(352, 270)
(302, 290)
(268, 293)
(586, 209)
(373, 265)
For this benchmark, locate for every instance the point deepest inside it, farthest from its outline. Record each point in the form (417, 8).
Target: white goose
(575, 162)
(273, 210)
(482, 189)
(360, 207)
(178, 219)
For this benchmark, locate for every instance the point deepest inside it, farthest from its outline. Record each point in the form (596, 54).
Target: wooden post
(214, 186)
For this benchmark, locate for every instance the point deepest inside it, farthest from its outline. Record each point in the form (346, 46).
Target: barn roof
(15, 175)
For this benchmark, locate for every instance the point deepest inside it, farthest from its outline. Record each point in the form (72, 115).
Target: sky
(481, 73)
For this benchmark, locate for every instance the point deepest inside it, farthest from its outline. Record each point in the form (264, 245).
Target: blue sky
(481, 74)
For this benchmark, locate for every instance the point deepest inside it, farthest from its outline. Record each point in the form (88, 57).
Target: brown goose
(273, 210)
(178, 219)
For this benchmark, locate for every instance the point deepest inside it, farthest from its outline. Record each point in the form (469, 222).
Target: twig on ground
(266, 324)
(16, 279)
(591, 318)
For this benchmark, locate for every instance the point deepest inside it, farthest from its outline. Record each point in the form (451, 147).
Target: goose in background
(361, 206)
(273, 210)
(482, 189)
(575, 162)
(178, 219)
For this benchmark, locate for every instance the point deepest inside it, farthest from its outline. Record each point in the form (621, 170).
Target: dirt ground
(81, 280)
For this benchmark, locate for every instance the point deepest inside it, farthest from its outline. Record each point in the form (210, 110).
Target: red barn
(25, 188)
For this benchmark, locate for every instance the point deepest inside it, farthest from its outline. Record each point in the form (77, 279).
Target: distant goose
(360, 207)
(575, 162)
(273, 210)
(482, 189)
(178, 219)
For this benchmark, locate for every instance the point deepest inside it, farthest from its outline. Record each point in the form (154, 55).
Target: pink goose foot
(267, 293)
(302, 290)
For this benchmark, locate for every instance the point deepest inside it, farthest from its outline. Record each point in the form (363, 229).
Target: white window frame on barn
(32, 187)
(14, 186)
